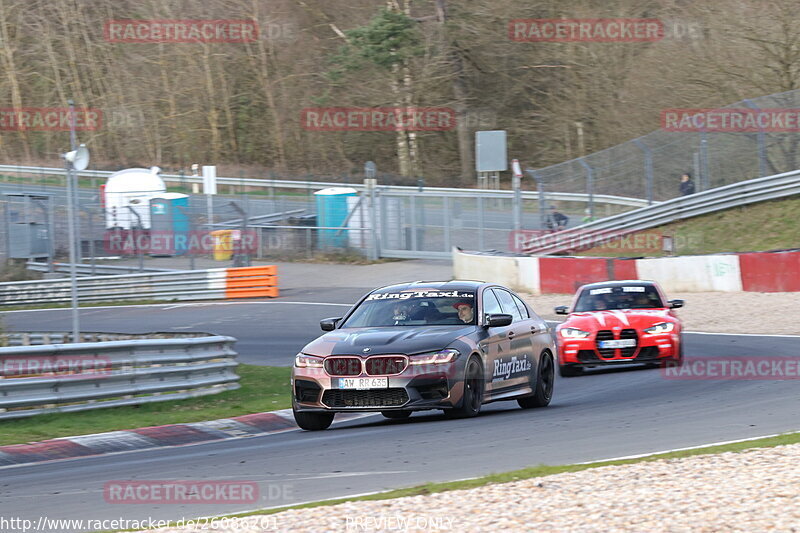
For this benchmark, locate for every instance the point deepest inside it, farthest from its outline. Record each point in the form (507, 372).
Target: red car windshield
(619, 297)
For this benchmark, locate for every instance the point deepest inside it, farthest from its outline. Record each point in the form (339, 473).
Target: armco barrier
(216, 283)
(702, 203)
(761, 271)
(131, 370)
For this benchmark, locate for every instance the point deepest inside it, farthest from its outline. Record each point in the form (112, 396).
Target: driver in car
(600, 303)
(400, 313)
(465, 312)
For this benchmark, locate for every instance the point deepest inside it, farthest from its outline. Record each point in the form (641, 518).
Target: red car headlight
(573, 333)
(660, 328)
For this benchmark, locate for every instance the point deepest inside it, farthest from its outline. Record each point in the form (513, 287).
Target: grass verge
(262, 389)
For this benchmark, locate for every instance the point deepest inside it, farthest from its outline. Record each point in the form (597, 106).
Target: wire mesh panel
(651, 166)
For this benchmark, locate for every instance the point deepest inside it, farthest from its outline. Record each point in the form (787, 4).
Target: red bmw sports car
(618, 322)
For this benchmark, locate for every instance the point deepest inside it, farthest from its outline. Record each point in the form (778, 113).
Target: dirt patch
(721, 312)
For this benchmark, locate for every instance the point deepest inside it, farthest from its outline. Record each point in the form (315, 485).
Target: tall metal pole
(71, 186)
(542, 200)
(589, 185)
(516, 210)
(648, 169)
(705, 174)
(762, 145)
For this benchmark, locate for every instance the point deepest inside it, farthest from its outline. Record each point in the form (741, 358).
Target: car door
(494, 343)
(541, 340)
(514, 370)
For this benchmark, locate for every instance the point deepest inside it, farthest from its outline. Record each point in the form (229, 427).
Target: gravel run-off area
(773, 313)
(752, 491)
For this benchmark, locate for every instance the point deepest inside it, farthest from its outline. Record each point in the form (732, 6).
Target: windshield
(414, 308)
(620, 297)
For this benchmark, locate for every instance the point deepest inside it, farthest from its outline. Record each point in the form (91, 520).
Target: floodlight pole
(71, 186)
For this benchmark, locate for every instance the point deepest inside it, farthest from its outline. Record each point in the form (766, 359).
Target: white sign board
(209, 179)
(491, 154)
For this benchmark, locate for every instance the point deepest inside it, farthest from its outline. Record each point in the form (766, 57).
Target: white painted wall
(693, 273)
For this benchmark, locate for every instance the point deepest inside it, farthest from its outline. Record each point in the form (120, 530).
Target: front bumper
(649, 348)
(413, 390)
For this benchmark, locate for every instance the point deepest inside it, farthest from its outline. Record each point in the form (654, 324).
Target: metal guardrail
(702, 203)
(215, 283)
(288, 184)
(83, 269)
(46, 378)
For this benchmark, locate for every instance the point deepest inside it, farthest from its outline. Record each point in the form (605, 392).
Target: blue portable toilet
(332, 212)
(169, 219)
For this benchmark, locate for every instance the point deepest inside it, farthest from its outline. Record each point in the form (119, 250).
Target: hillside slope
(763, 226)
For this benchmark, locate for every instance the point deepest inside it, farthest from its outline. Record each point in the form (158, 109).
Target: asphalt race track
(601, 415)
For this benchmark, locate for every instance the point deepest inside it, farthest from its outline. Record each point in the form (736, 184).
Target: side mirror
(674, 304)
(499, 319)
(561, 310)
(329, 324)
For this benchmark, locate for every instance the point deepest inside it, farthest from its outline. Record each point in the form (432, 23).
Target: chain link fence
(650, 166)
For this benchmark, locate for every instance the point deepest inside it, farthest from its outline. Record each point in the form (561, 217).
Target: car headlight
(573, 333)
(661, 327)
(434, 358)
(302, 360)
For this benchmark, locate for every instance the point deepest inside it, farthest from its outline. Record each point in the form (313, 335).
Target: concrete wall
(762, 271)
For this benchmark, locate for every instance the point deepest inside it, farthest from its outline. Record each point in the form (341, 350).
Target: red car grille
(343, 366)
(386, 366)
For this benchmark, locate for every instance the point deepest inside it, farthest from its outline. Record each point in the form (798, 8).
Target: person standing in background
(687, 185)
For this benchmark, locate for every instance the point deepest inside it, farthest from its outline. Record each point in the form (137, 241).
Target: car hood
(402, 340)
(621, 318)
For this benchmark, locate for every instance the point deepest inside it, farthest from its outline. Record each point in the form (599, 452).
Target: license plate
(363, 383)
(618, 343)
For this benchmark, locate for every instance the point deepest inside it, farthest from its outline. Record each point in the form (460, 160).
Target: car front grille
(607, 335)
(629, 334)
(604, 335)
(365, 398)
(385, 366)
(343, 366)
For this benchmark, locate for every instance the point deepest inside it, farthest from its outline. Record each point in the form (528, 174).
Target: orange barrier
(251, 282)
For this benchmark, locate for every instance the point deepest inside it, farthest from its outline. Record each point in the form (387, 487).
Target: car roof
(454, 285)
(618, 283)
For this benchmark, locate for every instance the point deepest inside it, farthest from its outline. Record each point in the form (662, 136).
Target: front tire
(313, 421)
(544, 385)
(473, 392)
(396, 415)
